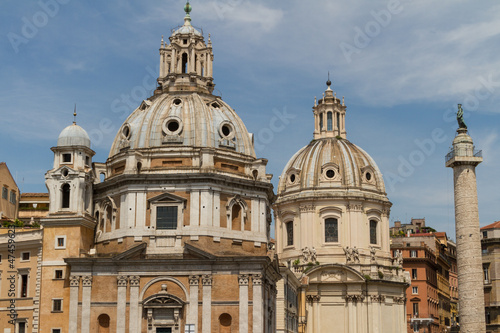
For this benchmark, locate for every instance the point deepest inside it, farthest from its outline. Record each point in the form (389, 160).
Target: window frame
(413, 254)
(5, 193)
(56, 330)
(324, 230)
(60, 306)
(70, 158)
(13, 197)
(414, 290)
(55, 274)
(414, 274)
(22, 256)
(289, 242)
(56, 242)
(154, 220)
(377, 233)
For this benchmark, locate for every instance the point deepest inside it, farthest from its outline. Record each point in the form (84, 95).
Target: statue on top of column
(460, 117)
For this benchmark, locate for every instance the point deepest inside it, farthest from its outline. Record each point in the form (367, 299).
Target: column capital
(74, 280)
(87, 281)
(313, 298)
(122, 280)
(194, 280)
(134, 280)
(354, 298)
(377, 298)
(399, 300)
(243, 279)
(206, 279)
(257, 279)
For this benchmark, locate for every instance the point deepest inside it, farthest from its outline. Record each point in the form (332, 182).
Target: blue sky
(403, 66)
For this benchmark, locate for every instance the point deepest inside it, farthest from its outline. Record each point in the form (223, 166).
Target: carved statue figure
(398, 258)
(348, 254)
(460, 117)
(372, 253)
(313, 254)
(355, 254)
(306, 254)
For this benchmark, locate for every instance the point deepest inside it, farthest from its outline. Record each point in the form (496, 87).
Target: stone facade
(490, 242)
(10, 193)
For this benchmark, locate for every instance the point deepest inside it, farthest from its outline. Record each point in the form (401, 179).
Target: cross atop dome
(186, 63)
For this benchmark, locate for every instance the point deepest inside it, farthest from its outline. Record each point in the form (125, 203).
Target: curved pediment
(331, 273)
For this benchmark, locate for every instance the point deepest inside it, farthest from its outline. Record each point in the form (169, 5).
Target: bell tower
(186, 63)
(329, 115)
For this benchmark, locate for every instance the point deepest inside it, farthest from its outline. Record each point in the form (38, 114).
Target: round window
(292, 178)
(65, 172)
(177, 101)
(330, 173)
(126, 131)
(172, 125)
(215, 105)
(368, 176)
(226, 130)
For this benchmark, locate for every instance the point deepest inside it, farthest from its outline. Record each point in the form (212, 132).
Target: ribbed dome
(184, 119)
(331, 163)
(73, 135)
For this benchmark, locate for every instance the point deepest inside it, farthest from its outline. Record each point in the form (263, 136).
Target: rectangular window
(24, 285)
(60, 242)
(87, 160)
(66, 158)
(331, 230)
(373, 232)
(415, 309)
(57, 305)
(414, 273)
(486, 275)
(413, 254)
(414, 290)
(58, 274)
(166, 217)
(485, 234)
(5, 193)
(21, 327)
(25, 256)
(289, 233)
(13, 197)
(56, 330)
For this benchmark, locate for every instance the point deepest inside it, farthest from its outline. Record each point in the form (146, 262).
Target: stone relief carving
(351, 254)
(307, 208)
(354, 207)
(309, 255)
(335, 274)
(398, 258)
(373, 251)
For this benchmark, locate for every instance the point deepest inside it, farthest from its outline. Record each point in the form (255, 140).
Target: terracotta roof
(422, 234)
(34, 195)
(494, 225)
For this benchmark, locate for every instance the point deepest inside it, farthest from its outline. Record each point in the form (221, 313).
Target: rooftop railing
(464, 152)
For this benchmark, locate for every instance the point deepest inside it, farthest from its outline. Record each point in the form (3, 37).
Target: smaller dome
(187, 29)
(73, 135)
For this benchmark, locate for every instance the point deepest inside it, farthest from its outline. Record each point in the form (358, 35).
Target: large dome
(73, 135)
(331, 163)
(184, 119)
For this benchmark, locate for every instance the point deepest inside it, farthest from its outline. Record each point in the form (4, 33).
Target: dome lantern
(329, 115)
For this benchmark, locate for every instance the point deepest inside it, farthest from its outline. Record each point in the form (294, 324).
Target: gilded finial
(74, 115)
(162, 42)
(343, 103)
(315, 101)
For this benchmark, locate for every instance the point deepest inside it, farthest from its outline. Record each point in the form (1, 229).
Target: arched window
(184, 62)
(289, 233)
(338, 122)
(331, 230)
(236, 217)
(65, 195)
(103, 322)
(225, 321)
(373, 232)
(329, 121)
(321, 121)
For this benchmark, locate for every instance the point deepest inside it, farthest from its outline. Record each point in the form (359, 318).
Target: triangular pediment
(197, 252)
(132, 253)
(167, 198)
(333, 273)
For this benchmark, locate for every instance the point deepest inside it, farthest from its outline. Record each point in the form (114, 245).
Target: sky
(402, 65)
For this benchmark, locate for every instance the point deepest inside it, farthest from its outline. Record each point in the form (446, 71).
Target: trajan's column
(464, 159)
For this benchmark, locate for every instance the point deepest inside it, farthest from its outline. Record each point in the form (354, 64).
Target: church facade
(172, 232)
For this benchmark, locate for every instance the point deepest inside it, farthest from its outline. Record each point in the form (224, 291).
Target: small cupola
(329, 115)
(186, 63)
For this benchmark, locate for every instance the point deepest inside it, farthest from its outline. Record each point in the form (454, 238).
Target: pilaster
(74, 284)
(243, 316)
(121, 303)
(134, 317)
(192, 318)
(206, 324)
(86, 297)
(257, 304)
